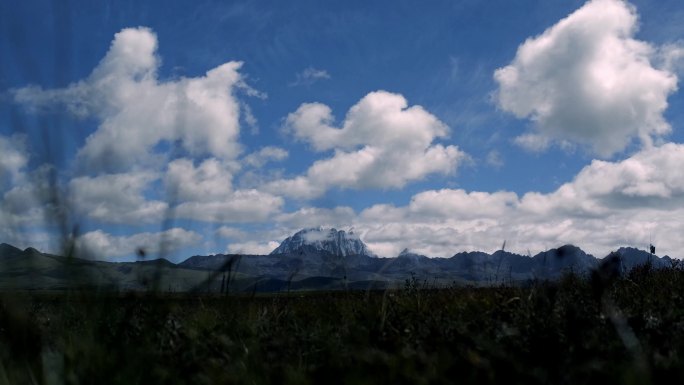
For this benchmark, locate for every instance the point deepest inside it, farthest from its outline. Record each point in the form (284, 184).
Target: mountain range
(311, 259)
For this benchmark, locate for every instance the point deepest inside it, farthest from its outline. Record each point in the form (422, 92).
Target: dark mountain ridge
(309, 265)
(500, 266)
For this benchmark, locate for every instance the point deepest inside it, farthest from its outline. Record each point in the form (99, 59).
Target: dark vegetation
(598, 329)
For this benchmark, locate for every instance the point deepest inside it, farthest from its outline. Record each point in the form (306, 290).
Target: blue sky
(455, 125)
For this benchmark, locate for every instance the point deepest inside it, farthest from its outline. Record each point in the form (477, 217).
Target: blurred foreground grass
(627, 331)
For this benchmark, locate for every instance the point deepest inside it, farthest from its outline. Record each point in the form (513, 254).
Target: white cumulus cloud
(240, 206)
(117, 198)
(382, 143)
(13, 160)
(448, 203)
(589, 81)
(231, 233)
(252, 248)
(210, 180)
(314, 216)
(650, 179)
(101, 245)
(205, 193)
(144, 122)
(137, 110)
(265, 155)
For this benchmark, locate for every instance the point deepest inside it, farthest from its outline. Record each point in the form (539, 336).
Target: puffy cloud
(672, 56)
(439, 222)
(231, 233)
(377, 212)
(205, 193)
(13, 160)
(25, 196)
(648, 179)
(137, 111)
(532, 142)
(460, 204)
(252, 248)
(35, 201)
(299, 187)
(210, 180)
(117, 198)
(241, 206)
(264, 155)
(379, 119)
(100, 245)
(588, 81)
(388, 239)
(383, 143)
(256, 241)
(446, 205)
(313, 217)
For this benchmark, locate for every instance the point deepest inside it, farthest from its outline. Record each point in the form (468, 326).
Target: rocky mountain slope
(336, 242)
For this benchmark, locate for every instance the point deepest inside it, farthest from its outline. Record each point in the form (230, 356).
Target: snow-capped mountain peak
(337, 242)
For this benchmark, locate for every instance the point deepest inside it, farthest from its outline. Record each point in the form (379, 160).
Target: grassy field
(573, 331)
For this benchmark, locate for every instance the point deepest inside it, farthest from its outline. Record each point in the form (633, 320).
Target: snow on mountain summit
(338, 242)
